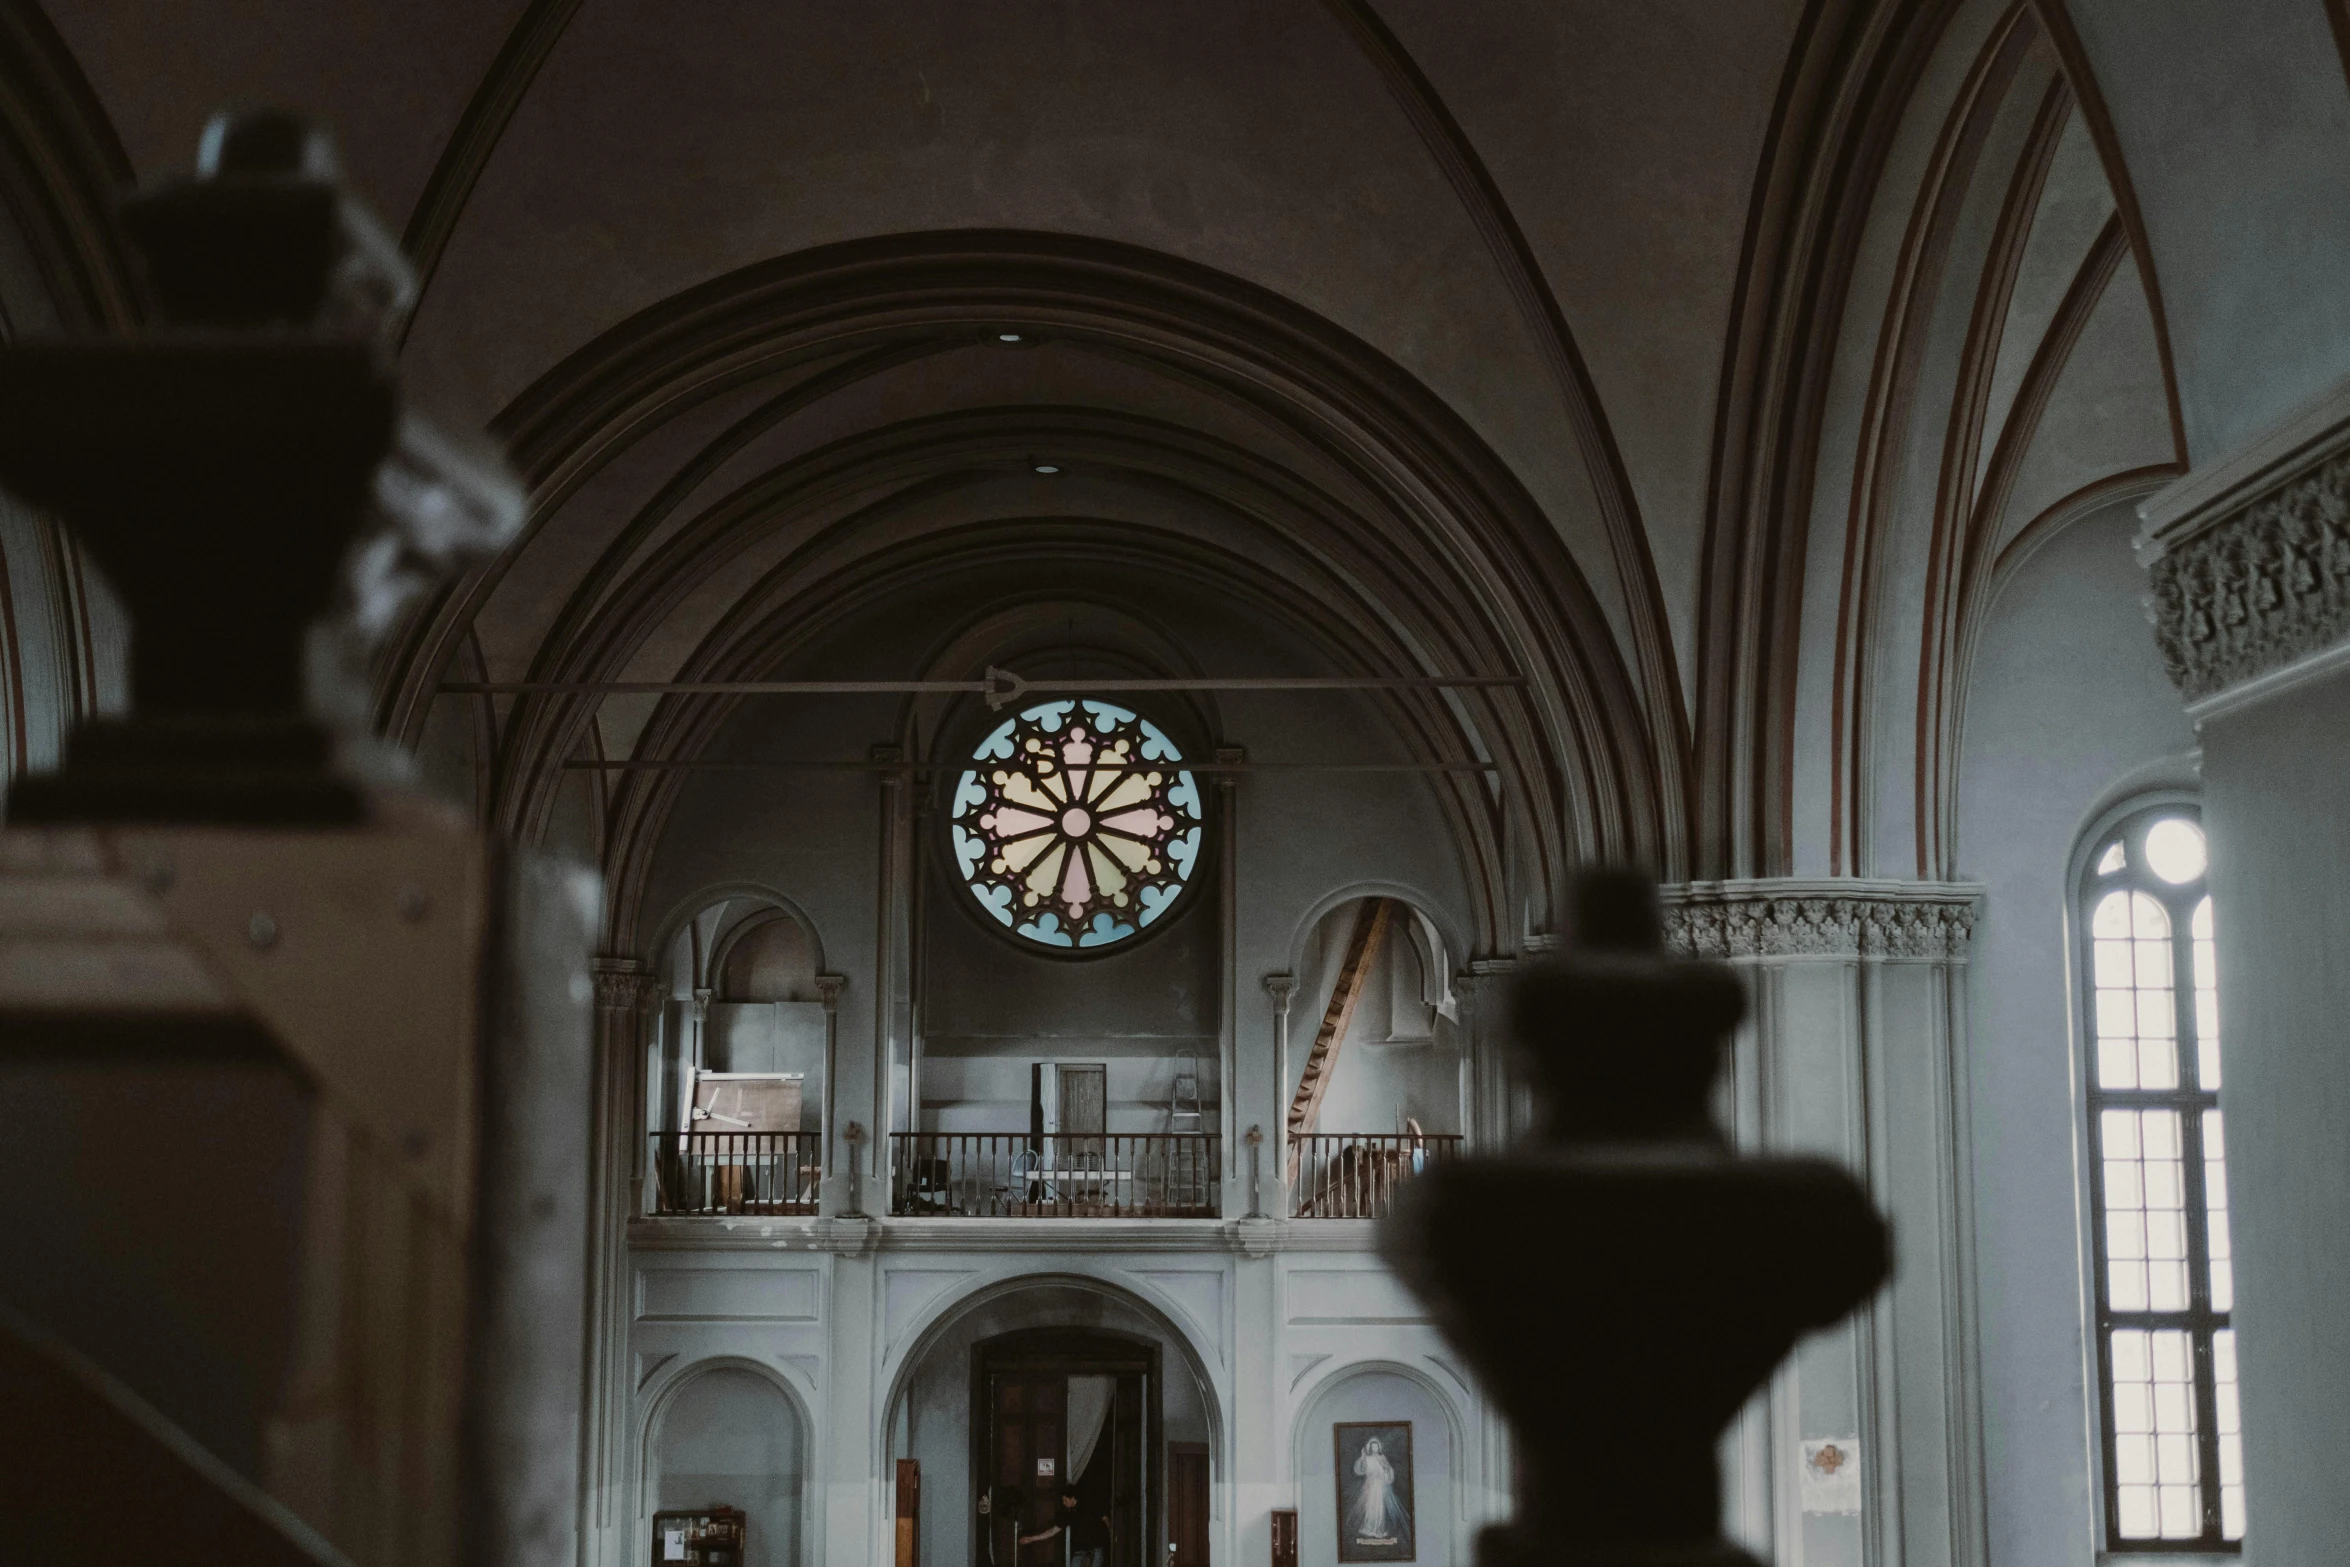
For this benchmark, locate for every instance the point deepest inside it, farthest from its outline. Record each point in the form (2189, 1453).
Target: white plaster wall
(877, 1348)
(2068, 711)
(2278, 810)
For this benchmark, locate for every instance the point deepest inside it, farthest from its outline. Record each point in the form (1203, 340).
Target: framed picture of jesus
(1374, 1473)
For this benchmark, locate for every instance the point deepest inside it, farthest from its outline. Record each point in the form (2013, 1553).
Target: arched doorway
(1036, 1335)
(1067, 1435)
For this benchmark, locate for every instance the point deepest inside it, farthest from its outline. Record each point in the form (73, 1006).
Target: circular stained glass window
(1077, 825)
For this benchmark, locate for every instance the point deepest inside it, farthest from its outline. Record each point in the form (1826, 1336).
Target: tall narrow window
(2174, 1458)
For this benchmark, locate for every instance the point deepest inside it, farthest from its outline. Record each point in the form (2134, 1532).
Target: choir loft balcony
(1065, 1175)
(696, 1173)
(1354, 1175)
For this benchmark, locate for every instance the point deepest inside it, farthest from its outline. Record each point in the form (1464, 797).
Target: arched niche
(1386, 1394)
(729, 1435)
(1400, 1061)
(931, 1417)
(756, 959)
(768, 956)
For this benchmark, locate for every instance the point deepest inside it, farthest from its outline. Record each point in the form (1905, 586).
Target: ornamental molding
(624, 988)
(2249, 564)
(1836, 918)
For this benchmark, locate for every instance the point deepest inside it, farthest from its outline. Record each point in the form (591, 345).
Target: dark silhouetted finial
(1621, 1282)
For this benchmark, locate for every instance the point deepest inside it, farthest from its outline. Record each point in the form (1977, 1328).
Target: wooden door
(1187, 1504)
(1030, 1428)
(909, 1513)
(1085, 1113)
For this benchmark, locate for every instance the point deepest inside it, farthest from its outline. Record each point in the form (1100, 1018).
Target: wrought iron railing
(1013, 1175)
(736, 1172)
(1349, 1175)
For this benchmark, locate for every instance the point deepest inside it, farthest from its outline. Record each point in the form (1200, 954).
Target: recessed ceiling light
(1046, 467)
(1007, 337)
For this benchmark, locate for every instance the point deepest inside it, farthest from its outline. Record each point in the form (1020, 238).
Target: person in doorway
(1089, 1536)
(1041, 1545)
(1089, 1528)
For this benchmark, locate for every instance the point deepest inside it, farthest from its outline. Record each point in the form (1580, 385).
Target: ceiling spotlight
(1007, 337)
(1046, 467)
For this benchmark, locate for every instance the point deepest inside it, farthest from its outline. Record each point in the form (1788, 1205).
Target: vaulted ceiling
(1394, 286)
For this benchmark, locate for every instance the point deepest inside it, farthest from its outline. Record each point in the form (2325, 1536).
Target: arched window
(1077, 826)
(2174, 1461)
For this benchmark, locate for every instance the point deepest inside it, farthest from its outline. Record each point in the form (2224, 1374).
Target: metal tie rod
(1000, 687)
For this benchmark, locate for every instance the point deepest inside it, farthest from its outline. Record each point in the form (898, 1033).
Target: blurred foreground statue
(293, 1060)
(1621, 1282)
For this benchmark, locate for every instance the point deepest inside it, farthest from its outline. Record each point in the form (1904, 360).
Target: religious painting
(1374, 1473)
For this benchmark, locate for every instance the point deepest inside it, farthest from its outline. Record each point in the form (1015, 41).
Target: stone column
(1855, 1049)
(2250, 565)
(627, 999)
(1228, 1123)
(828, 989)
(1282, 988)
(1496, 1110)
(891, 1001)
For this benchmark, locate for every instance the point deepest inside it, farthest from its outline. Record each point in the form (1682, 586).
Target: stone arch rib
(1513, 255)
(1423, 471)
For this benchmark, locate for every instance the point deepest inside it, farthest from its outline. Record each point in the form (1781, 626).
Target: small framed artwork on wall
(1374, 1473)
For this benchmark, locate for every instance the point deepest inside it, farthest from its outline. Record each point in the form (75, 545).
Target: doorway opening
(1075, 1412)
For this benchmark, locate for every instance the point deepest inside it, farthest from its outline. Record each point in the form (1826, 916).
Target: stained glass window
(2174, 1453)
(1076, 827)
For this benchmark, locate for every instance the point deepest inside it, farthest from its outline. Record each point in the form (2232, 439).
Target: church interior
(774, 771)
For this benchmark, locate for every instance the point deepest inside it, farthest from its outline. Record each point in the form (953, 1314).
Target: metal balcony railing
(1349, 1175)
(736, 1172)
(1013, 1175)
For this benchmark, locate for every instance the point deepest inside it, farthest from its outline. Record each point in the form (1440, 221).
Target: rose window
(1077, 825)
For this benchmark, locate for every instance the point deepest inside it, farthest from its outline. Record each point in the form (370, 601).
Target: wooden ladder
(1305, 1110)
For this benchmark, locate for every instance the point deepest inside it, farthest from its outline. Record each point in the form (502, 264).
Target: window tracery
(1077, 827)
(2158, 1176)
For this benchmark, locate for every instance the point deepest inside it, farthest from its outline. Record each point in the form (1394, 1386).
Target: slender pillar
(892, 1002)
(828, 989)
(1282, 988)
(1227, 832)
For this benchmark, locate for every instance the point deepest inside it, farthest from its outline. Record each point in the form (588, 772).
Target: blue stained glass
(1047, 929)
(1071, 830)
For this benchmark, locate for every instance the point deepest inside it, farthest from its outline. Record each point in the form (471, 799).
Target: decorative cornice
(2259, 588)
(1838, 918)
(2250, 555)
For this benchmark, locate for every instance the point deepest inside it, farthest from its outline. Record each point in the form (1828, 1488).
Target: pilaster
(1854, 1050)
(627, 999)
(2249, 565)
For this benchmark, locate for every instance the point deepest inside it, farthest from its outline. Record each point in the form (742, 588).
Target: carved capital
(1281, 987)
(623, 986)
(828, 989)
(2262, 584)
(1837, 918)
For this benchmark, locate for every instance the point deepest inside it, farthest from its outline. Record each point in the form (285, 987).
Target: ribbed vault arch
(1402, 541)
